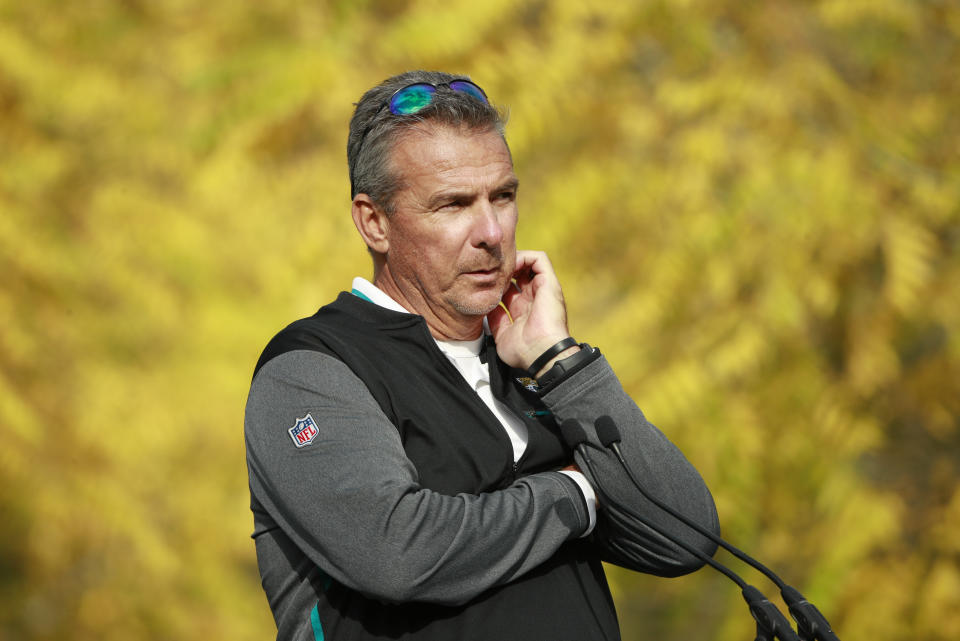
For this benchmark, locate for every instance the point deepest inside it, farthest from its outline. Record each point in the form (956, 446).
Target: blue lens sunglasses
(413, 98)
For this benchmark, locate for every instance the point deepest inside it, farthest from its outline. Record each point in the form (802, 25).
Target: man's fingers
(528, 260)
(531, 264)
(510, 296)
(497, 319)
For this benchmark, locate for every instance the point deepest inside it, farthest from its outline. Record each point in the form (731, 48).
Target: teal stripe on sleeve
(315, 622)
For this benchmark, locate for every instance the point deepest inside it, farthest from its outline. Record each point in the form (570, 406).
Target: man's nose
(487, 226)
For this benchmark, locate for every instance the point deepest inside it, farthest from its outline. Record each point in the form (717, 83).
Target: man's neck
(443, 325)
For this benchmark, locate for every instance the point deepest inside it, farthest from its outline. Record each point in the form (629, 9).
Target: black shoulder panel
(305, 333)
(348, 319)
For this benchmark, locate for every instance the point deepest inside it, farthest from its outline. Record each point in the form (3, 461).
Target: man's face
(452, 241)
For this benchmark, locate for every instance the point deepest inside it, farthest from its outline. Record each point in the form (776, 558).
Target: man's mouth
(486, 276)
(484, 272)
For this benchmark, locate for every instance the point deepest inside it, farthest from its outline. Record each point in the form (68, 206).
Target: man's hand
(539, 315)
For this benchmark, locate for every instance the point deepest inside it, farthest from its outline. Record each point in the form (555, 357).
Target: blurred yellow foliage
(754, 208)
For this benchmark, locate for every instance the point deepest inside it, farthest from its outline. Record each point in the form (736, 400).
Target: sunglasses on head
(413, 98)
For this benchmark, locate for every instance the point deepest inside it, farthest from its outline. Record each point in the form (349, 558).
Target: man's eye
(507, 196)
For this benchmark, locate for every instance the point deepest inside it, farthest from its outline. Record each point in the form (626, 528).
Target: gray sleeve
(350, 500)
(659, 465)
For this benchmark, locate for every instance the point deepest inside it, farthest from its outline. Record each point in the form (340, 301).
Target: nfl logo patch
(304, 431)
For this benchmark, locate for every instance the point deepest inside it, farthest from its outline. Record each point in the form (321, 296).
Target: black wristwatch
(568, 366)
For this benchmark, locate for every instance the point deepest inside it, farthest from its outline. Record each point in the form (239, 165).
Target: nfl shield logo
(304, 431)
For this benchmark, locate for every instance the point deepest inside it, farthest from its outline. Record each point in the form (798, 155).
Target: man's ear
(372, 223)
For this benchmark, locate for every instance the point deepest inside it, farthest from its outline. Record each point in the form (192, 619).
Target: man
(407, 477)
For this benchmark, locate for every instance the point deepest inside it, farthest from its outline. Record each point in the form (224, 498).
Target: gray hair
(374, 130)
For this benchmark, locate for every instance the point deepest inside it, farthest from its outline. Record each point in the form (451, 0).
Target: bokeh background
(754, 207)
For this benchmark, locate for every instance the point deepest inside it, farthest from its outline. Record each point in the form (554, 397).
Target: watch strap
(551, 352)
(568, 366)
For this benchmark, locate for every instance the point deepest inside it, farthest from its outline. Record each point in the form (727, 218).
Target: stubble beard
(465, 306)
